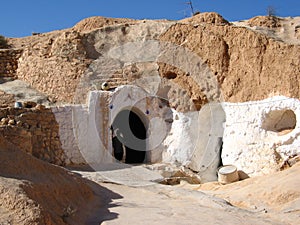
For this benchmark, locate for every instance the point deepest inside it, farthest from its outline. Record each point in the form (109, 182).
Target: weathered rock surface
(279, 28)
(7, 100)
(241, 59)
(248, 65)
(18, 90)
(97, 22)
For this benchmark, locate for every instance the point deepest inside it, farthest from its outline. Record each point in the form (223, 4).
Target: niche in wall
(280, 121)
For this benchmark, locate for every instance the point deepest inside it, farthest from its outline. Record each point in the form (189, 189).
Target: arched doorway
(129, 137)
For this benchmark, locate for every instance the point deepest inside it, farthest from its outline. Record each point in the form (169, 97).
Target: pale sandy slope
(172, 205)
(278, 195)
(273, 199)
(36, 192)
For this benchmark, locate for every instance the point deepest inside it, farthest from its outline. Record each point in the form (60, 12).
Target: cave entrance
(129, 137)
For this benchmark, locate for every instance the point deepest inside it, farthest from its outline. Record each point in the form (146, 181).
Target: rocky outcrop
(241, 59)
(206, 18)
(265, 21)
(97, 22)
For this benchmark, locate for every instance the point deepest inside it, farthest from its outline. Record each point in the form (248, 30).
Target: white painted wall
(63, 116)
(85, 130)
(251, 148)
(195, 140)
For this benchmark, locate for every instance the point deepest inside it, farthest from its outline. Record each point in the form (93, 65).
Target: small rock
(171, 181)
(11, 122)
(40, 107)
(4, 121)
(293, 160)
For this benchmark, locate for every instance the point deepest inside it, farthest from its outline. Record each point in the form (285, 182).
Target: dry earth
(35, 192)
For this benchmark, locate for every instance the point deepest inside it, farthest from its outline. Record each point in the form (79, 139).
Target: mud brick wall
(34, 131)
(9, 62)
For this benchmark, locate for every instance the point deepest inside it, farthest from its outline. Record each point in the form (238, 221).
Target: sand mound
(265, 21)
(209, 17)
(96, 22)
(35, 192)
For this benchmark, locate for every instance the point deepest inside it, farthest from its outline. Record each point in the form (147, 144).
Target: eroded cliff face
(247, 64)
(52, 63)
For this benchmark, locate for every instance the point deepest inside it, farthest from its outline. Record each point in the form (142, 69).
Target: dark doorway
(129, 137)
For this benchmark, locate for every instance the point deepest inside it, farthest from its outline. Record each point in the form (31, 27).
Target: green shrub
(3, 42)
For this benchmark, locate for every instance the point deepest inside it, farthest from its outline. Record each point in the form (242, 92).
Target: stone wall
(6, 100)
(34, 131)
(9, 62)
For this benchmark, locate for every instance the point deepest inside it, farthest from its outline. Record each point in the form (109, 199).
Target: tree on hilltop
(3, 42)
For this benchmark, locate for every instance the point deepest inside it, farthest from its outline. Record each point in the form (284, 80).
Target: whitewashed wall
(249, 145)
(195, 140)
(85, 130)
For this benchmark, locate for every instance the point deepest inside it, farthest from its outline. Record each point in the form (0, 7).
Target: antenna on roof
(191, 5)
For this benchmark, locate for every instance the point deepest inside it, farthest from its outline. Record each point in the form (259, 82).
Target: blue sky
(22, 17)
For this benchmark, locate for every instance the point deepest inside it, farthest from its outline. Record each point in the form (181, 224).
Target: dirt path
(142, 201)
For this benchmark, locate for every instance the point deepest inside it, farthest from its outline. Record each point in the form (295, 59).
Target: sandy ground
(277, 194)
(273, 199)
(35, 192)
